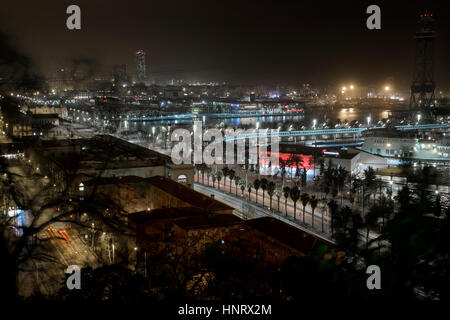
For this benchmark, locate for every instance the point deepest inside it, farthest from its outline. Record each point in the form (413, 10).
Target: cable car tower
(423, 85)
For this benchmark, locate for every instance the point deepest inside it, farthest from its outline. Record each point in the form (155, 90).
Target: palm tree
(219, 178)
(278, 193)
(323, 205)
(341, 177)
(312, 164)
(231, 176)
(321, 166)
(271, 191)
(313, 203)
(237, 182)
(371, 222)
(333, 208)
(242, 184)
(286, 192)
(214, 178)
(249, 189)
(305, 199)
(304, 178)
(295, 195)
(208, 173)
(203, 169)
(283, 172)
(264, 183)
(225, 172)
(256, 185)
(369, 183)
(198, 169)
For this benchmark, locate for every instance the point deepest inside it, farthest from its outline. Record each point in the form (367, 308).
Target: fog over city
(220, 159)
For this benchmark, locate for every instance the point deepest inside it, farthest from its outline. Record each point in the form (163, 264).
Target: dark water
(320, 114)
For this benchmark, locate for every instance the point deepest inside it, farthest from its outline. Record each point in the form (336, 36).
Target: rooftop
(166, 213)
(186, 194)
(208, 221)
(178, 190)
(288, 235)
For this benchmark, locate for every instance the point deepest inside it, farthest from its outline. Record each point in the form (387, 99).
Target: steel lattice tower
(423, 85)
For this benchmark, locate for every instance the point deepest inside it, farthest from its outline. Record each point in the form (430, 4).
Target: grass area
(396, 171)
(430, 174)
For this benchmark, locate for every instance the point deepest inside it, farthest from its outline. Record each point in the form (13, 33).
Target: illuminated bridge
(190, 116)
(322, 132)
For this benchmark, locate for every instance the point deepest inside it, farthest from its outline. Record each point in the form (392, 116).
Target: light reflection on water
(341, 113)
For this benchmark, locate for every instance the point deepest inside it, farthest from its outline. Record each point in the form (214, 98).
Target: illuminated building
(140, 66)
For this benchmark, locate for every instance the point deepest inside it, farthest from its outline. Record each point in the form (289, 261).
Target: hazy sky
(320, 42)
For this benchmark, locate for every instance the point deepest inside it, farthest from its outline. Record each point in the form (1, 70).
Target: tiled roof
(187, 194)
(289, 235)
(166, 213)
(210, 220)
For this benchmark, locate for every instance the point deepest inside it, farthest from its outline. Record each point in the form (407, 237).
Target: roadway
(250, 209)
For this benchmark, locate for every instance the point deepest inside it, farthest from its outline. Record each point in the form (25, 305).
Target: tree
(256, 185)
(297, 162)
(203, 169)
(237, 182)
(437, 208)
(313, 201)
(323, 206)
(286, 193)
(321, 166)
(283, 172)
(225, 173)
(303, 178)
(214, 178)
(271, 192)
(249, 189)
(295, 195)
(219, 178)
(312, 164)
(41, 202)
(231, 176)
(305, 199)
(342, 177)
(278, 194)
(208, 173)
(369, 182)
(371, 220)
(242, 185)
(333, 206)
(108, 283)
(197, 170)
(264, 183)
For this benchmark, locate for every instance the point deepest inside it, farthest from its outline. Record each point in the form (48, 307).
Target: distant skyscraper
(120, 75)
(140, 66)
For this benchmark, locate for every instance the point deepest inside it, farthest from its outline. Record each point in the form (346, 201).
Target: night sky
(323, 43)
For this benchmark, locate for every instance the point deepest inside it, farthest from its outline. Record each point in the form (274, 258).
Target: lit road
(248, 209)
